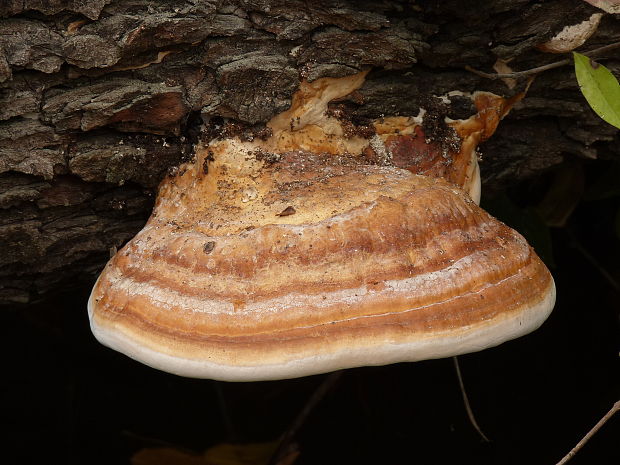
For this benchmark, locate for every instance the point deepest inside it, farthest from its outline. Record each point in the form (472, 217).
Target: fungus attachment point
(315, 260)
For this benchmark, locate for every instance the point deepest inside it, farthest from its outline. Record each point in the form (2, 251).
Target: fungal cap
(269, 270)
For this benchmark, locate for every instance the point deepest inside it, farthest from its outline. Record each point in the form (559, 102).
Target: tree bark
(99, 99)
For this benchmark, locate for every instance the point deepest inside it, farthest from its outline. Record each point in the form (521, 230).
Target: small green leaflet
(599, 87)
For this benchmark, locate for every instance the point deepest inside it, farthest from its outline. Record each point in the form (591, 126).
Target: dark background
(67, 399)
(78, 180)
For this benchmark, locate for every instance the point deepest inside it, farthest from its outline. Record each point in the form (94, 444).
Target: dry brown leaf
(221, 454)
(502, 67)
(610, 6)
(572, 36)
(166, 456)
(241, 454)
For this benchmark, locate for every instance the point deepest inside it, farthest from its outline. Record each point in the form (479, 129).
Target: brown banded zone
(407, 262)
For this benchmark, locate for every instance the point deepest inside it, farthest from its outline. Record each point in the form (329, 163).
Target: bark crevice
(99, 99)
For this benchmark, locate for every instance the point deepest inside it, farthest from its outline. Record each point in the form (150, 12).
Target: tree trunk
(99, 99)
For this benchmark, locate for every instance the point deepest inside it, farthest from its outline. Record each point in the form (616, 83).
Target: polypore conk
(325, 256)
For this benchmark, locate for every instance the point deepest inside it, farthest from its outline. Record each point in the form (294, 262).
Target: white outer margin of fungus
(429, 346)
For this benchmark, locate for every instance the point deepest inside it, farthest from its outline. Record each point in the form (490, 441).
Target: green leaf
(599, 87)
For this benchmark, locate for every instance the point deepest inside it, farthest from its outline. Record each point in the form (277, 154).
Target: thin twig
(539, 69)
(298, 422)
(470, 412)
(225, 412)
(518, 74)
(591, 433)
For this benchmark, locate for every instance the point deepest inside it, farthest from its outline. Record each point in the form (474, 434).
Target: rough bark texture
(98, 99)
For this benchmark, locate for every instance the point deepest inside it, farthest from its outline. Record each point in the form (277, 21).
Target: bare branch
(540, 69)
(591, 433)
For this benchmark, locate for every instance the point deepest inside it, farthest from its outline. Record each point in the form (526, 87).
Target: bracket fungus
(325, 246)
